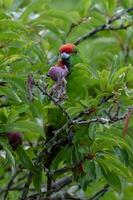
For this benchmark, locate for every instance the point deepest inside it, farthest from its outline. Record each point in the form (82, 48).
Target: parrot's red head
(67, 48)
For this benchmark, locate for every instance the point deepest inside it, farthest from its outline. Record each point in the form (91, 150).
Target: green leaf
(62, 15)
(74, 110)
(11, 59)
(11, 94)
(30, 8)
(119, 73)
(84, 181)
(49, 25)
(37, 180)
(112, 164)
(7, 148)
(25, 159)
(32, 128)
(8, 35)
(114, 180)
(10, 24)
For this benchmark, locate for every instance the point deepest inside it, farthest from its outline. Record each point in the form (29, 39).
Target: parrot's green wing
(77, 83)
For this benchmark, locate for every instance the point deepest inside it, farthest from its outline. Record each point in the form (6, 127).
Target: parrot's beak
(64, 56)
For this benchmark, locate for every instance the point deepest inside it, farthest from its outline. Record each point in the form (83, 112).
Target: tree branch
(101, 120)
(49, 182)
(11, 182)
(13, 188)
(104, 27)
(45, 92)
(100, 193)
(77, 121)
(26, 187)
(118, 16)
(55, 187)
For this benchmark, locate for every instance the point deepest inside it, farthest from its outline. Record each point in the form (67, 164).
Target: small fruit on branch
(57, 72)
(15, 139)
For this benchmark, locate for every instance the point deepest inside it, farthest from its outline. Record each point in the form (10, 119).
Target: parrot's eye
(64, 56)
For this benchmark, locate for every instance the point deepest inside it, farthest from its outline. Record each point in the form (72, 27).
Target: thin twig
(26, 187)
(100, 193)
(73, 25)
(100, 120)
(60, 171)
(11, 182)
(118, 16)
(49, 182)
(45, 92)
(61, 183)
(18, 187)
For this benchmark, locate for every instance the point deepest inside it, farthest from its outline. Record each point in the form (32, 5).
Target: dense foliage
(82, 146)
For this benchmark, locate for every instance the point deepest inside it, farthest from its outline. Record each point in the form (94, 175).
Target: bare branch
(118, 16)
(104, 27)
(100, 120)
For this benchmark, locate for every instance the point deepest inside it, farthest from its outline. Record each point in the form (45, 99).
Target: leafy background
(31, 32)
